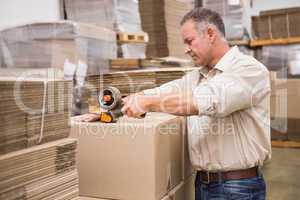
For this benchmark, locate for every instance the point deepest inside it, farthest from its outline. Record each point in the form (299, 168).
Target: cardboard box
(285, 96)
(289, 129)
(285, 111)
(184, 191)
(132, 159)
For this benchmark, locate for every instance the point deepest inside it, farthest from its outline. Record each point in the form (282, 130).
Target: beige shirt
(232, 129)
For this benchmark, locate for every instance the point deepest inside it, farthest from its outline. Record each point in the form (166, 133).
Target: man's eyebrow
(186, 40)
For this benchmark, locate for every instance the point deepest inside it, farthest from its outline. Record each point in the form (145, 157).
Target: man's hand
(181, 104)
(135, 105)
(89, 117)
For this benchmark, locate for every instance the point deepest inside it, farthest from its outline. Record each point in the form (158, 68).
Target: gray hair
(207, 16)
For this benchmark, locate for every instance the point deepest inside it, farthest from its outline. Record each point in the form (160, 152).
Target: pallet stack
(36, 158)
(132, 45)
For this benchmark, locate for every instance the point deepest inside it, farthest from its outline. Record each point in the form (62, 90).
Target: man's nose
(187, 50)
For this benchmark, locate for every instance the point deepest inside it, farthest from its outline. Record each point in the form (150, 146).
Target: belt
(209, 177)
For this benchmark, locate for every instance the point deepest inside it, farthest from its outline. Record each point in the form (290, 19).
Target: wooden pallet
(279, 41)
(125, 63)
(132, 38)
(285, 144)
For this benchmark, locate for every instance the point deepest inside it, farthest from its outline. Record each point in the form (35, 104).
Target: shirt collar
(203, 71)
(224, 63)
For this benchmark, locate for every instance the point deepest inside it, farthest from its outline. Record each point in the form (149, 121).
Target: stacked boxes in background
(40, 111)
(274, 24)
(154, 23)
(282, 58)
(36, 157)
(117, 15)
(285, 116)
(79, 49)
(232, 13)
(131, 81)
(55, 44)
(45, 171)
(134, 158)
(161, 20)
(174, 12)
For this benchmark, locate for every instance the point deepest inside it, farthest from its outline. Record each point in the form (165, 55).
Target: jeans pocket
(245, 189)
(234, 192)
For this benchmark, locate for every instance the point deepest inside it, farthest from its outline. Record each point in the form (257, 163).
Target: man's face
(197, 44)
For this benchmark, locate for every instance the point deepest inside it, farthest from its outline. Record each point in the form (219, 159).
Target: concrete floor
(282, 174)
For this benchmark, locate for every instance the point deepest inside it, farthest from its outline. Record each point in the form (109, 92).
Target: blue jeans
(243, 189)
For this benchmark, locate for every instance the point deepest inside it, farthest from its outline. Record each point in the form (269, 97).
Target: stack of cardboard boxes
(279, 23)
(78, 49)
(174, 12)
(61, 44)
(233, 15)
(161, 19)
(117, 15)
(154, 23)
(37, 159)
(129, 82)
(285, 95)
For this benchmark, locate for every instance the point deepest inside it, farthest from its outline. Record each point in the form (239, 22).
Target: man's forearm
(177, 104)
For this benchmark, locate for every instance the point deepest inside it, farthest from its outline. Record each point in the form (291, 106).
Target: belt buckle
(208, 178)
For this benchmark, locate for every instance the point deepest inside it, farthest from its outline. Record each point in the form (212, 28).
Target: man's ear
(211, 33)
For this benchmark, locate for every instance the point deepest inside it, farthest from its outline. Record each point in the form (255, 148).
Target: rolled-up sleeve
(228, 92)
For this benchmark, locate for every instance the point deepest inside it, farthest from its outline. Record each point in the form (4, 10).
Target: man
(226, 103)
